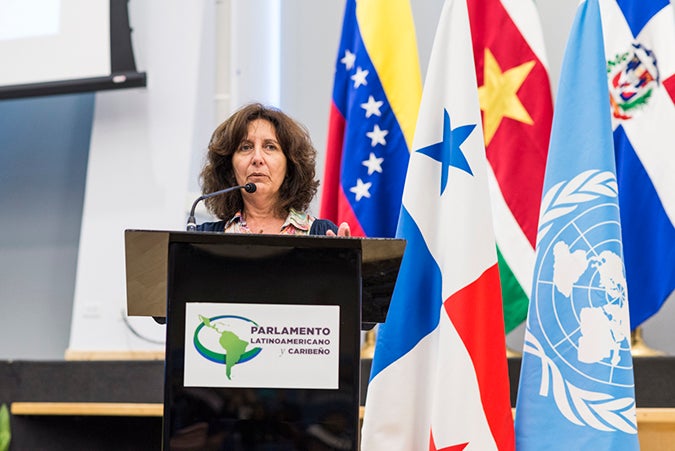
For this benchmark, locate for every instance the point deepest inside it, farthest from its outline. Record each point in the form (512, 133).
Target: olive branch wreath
(565, 197)
(582, 407)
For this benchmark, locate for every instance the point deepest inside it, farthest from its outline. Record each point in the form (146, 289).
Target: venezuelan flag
(376, 96)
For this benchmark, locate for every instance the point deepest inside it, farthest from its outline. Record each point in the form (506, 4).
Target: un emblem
(581, 303)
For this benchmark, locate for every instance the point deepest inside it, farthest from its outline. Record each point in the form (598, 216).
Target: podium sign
(263, 333)
(300, 343)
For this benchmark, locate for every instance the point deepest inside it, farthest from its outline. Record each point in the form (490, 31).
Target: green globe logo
(232, 349)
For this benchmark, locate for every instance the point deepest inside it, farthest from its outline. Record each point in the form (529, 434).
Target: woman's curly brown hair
(298, 188)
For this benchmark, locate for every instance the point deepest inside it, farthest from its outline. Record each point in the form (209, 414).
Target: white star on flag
(361, 189)
(360, 77)
(348, 59)
(372, 107)
(377, 136)
(373, 163)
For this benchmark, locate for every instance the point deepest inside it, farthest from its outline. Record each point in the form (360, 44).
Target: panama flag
(639, 49)
(439, 379)
(376, 95)
(514, 92)
(576, 381)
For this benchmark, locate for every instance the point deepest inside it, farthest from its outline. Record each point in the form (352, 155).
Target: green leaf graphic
(205, 320)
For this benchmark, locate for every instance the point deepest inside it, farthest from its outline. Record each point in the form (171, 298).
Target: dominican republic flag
(576, 381)
(640, 54)
(376, 95)
(439, 379)
(514, 92)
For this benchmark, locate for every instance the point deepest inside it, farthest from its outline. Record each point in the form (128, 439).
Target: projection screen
(65, 46)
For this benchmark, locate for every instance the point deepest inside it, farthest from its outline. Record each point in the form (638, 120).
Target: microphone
(192, 224)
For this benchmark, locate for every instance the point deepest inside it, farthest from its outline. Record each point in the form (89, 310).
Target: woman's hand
(343, 230)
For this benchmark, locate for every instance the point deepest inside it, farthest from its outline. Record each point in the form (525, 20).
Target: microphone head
(250, 187)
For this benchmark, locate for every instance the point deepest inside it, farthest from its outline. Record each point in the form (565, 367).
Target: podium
(263, 333)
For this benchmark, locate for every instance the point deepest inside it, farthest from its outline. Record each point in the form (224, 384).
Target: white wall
(140, 162)
(43, 164)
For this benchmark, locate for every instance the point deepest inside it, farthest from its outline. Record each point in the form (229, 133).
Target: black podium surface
(263, 333)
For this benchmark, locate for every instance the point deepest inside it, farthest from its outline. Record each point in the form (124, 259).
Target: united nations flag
(576, 388)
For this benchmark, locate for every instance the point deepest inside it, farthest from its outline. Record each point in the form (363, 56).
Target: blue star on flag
(447, 152)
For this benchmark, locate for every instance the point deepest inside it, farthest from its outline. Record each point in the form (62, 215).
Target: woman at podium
(263, 146)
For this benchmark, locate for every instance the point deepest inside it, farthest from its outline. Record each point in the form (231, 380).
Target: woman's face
(260, 159)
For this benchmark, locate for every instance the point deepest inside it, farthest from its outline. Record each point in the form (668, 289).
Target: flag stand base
(510, 353)
(368, 348)
(639, 348)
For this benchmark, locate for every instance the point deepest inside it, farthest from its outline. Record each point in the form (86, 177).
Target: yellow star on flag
(498, 96)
